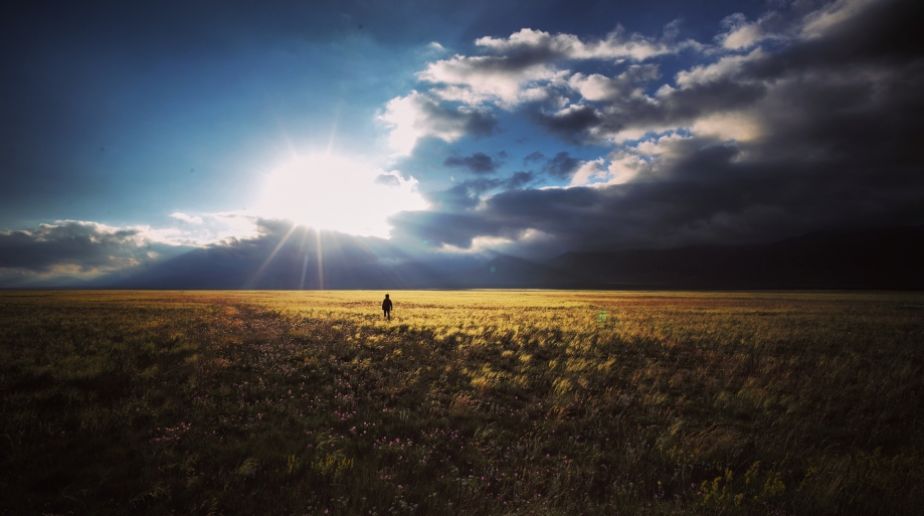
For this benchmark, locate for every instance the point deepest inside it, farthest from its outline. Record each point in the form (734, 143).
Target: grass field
(496, 402)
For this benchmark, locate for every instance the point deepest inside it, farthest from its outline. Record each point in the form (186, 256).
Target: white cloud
(629, 161)
(736, 125)
(596, 87)
(418, 115)
(621, 167)
(185, 217)
(823, 20)
(657, 145)
(741, 34)
(202, 229)
(65, 250)
(589, 172)
(616, 46)
(524, 67)
(479, 79)
(721, 69)
(70, 248)
(742, 37)
(482, 243)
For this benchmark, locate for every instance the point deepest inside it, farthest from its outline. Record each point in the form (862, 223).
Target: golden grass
(523, 402)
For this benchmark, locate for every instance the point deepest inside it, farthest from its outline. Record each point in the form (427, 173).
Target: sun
(331, 192)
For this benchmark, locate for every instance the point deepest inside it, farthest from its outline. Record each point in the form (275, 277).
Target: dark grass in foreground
(468, 402)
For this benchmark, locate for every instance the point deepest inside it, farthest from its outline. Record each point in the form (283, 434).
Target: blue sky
(151, 117)
(134, 112)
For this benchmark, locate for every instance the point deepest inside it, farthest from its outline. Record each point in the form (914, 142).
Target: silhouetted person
(386, 307)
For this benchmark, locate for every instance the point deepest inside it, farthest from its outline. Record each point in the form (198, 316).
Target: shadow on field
(199, 403)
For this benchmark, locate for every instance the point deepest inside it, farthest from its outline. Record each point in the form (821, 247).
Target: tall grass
(490, 402)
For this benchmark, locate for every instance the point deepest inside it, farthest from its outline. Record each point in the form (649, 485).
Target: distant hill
(343, 262)
(889, 258)
(504, 271)
(874, 258)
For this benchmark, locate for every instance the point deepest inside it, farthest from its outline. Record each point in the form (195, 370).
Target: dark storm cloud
(466, 194)
(885, 33)
(478, 123)
(561, 166)
(519, 180)
(705, 193)
(434, 118)
(823, 133)
(436, 228)
(581, 123)
(818, 126)
(478, 163)
(438, 118)
(875, 43)
(572, 124)
(82, 247)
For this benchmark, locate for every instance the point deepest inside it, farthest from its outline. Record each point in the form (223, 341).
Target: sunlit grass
(528, 402)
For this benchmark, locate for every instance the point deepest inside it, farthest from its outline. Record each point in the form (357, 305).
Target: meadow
(470, 402)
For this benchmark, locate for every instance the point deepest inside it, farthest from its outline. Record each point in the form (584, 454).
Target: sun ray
(304, 249)
(333, 130)
(320, 254)
(272, 255)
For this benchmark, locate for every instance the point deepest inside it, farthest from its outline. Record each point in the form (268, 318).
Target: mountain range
(880, 258)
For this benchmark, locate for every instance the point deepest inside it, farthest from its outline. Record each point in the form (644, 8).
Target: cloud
(812, 132)
(437, 228)
(388, 180)
(574, 123)
(617, 45)
(790, 123)
(526, 66)
(187, 218)
(597, 87)
(729, 125)
(82, 250)
(466, 194)
(722, 96)
(519, 180)
(561, 166)
(827, 18)
(476, 80)
(202, 229)
(418, 115)
(741, 34)
(620, 168)
(73, 248)
(478, 163)
(724, 69)
(699, 91)
(435, 46)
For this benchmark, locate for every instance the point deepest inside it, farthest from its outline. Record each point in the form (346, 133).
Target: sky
(136, 133)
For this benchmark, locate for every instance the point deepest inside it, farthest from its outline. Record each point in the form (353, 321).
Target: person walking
(386, 307)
